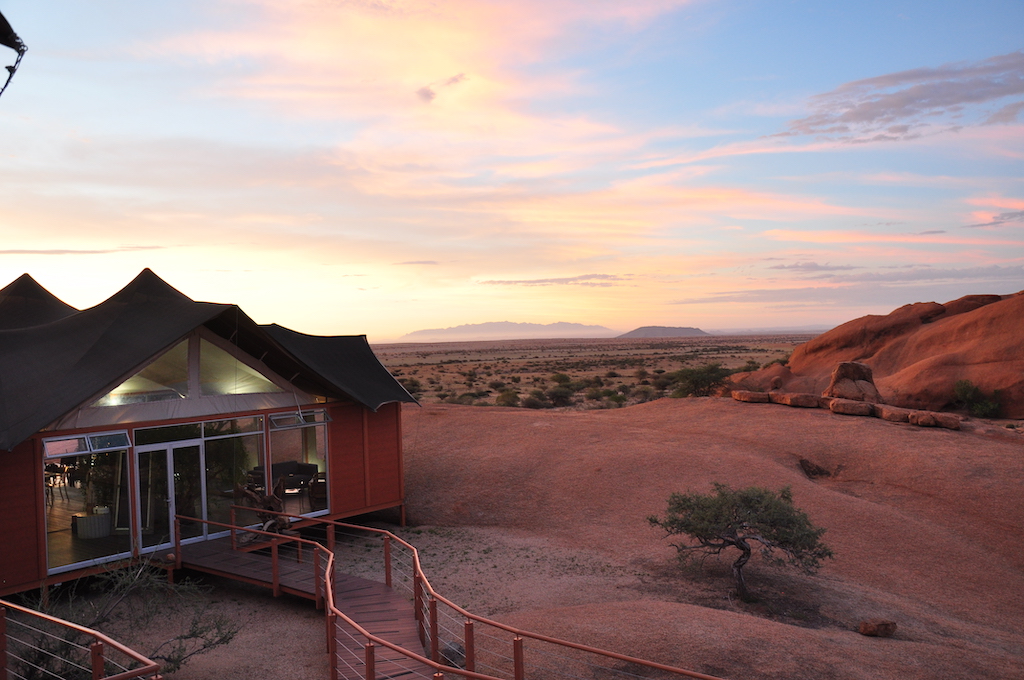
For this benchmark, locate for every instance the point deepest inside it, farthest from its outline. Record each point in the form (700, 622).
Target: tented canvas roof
(55, 358)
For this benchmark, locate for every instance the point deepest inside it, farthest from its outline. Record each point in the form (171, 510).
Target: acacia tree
(744, 519)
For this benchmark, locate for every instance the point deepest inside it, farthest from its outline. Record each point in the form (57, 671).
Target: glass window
(170, 433)
(229, 464)
(166, 378)
(87, 508)
(219, 428)
(299, 458)
(64, 447)
(221, 373)
(290, 419)
(108, 441)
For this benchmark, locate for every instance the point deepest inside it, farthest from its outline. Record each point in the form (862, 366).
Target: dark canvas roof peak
(48, 369)
(24, 302)
(148, 287)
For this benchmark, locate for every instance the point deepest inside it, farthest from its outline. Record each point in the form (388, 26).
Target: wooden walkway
(374, 606)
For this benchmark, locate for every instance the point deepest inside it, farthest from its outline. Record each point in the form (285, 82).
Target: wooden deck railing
(462, 643)
(36, 645)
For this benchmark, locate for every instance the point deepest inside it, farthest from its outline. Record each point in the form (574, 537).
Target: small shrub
(411, 385)
(969, 396)
(560, 396)
(507, 398)
(561, 379)
(699, 382)
(534, 402)
(644, 394)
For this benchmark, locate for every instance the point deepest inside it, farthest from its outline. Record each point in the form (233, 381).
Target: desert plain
(537, 518)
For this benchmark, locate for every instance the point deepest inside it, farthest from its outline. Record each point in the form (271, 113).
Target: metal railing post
(434, 647)
(96, 656)
(332, 643)
(470, 646)
(417, 590)
(275, 568)
(371, 672)
(387, 561)
(517, 658)
(316, 580)
(330, 537)
(234, 540)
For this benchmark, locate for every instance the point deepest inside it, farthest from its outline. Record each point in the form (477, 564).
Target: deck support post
(371, 672)
(470, 646)
(3, 642)
(316, 580)
(517, 657)
(417, 590)
(434, 647)
(96, 656)
(177, 542)
(275, 568)
(387, 561)
(332, 644)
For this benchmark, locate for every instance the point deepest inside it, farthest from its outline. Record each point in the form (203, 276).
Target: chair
(317, 491)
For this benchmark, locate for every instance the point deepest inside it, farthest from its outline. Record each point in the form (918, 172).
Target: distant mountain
(663, 332)
(508, 330)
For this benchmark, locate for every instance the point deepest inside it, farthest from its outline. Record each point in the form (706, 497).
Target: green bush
(411, 385)
(560, 396)
(699, 382)
(534, 402)
(969, 396)
(507, 398)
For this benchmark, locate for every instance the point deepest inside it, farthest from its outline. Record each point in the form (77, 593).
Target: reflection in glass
(188, 489)
(153, 499)
(87, 507)
(228, 464)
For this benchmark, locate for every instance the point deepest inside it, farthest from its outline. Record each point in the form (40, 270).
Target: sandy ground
(537, 518)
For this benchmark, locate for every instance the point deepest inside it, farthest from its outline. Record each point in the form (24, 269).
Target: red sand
(926, 524)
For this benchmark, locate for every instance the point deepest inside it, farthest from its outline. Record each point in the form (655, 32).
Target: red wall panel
(385, 449)
(21, 533)
(346, 466)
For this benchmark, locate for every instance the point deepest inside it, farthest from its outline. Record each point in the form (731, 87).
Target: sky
(383, 166)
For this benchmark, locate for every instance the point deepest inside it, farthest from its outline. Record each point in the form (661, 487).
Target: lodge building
(117, 418)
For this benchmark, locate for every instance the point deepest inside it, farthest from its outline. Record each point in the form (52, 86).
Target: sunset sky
(385, 166)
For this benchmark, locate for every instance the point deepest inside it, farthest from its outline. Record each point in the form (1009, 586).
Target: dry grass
(477, 372)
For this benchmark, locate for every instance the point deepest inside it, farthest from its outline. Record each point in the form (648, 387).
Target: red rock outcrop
(852, 380)
(918, 352)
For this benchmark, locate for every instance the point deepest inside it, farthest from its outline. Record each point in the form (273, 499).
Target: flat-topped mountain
(664, 332)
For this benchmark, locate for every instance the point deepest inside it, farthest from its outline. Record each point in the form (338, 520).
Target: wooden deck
(374, 606)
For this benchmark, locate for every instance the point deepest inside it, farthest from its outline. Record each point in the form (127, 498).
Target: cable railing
(36, 646)
(455, 640)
